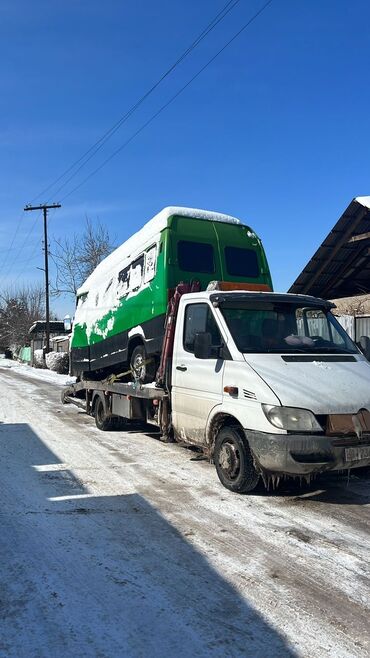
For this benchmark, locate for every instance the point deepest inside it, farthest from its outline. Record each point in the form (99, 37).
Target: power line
(86, 157)
(34, 254)
(170, 101)
(7, 251)
(25, 241)
(89, 154)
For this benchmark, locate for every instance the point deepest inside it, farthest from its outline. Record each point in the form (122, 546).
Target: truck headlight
(291, 419)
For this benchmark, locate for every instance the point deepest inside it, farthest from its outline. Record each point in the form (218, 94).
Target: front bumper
(302, 454)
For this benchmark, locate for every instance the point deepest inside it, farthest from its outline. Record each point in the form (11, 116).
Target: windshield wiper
(330, 350)
(298, 350)
(275, 350)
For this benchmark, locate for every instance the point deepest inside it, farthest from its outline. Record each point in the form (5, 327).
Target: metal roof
(341, 265)
(40, 326)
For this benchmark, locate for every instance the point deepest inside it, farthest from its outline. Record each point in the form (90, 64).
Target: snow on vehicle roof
(364, 200)
(148, 232)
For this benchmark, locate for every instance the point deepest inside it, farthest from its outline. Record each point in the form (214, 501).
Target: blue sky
(275, 131)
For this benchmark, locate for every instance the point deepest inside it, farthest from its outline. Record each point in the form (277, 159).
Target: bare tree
(19, 309)
(69, 274)
(76, 257)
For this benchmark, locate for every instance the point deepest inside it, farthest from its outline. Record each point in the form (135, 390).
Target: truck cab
(268, 385)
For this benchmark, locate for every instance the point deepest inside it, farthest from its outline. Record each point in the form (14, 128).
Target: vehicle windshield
(281, 327)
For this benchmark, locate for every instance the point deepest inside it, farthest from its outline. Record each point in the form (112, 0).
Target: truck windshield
(285, 328)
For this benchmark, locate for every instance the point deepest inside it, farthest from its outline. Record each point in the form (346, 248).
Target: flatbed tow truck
(267, 385)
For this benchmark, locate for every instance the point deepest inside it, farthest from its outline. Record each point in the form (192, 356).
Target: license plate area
(356, 454)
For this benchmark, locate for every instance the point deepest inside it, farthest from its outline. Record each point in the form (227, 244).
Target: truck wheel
(233, 461)
(142, 371)
(102, 421)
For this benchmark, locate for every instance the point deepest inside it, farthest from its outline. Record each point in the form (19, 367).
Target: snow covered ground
(115, 545)
(36, 373)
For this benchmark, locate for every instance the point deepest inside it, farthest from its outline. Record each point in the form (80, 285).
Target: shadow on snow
(107, 576)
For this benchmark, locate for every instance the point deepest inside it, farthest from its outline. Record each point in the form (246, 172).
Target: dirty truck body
(279, 371)
(266, 385)
(122, 305)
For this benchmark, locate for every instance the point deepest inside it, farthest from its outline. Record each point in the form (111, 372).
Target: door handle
(182, 368)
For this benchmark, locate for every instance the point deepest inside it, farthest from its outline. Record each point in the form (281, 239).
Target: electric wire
(91, 152)
(9, 249)
(20, 249)
(169, 102)
(34, 254)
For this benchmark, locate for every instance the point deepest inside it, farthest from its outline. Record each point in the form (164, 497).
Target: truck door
(197, 384)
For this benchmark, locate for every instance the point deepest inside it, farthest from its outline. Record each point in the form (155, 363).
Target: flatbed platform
(144, 391)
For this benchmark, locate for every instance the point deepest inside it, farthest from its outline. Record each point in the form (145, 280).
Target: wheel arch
(219, 420)
(99, 395)
(133, 342)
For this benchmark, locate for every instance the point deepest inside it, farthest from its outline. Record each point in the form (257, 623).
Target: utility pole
(44, 207)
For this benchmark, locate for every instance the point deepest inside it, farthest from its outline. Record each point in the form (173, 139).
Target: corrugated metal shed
(341, 265)
(362, 326)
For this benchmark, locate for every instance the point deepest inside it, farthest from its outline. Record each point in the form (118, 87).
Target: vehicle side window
(81, 299)
(150, 263)
(195, 256)
(337, 339)
(108, 285)
(130, 278)
(123, 281)
(136, 273)
(242, 262)
(199, 318)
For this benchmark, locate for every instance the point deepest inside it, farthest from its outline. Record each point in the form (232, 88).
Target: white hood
(323, 387)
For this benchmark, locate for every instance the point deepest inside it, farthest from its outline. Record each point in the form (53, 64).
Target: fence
(355, 326)
(362, 326)
(25, 354)
(348, 324)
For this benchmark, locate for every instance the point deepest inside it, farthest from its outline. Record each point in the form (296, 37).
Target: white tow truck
(265, 384)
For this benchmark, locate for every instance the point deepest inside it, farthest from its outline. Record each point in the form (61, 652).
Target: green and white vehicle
(121, 307)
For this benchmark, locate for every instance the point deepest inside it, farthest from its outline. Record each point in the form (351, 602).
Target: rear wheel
(102, 420)
(142, 367)
(233, 461)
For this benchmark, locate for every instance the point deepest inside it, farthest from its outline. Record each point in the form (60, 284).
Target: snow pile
(43, 375)
(58, 361)
(38, 359)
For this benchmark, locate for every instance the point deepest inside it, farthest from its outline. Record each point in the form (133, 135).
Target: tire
(102, 421)
(142, 372)
(233, 461)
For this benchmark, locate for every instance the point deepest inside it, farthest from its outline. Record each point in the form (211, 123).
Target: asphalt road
(115, 544)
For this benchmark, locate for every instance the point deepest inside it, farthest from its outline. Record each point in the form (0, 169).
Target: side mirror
(203, 345)
(364, 345)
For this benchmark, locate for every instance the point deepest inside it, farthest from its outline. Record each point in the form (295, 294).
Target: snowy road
(116, 545)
